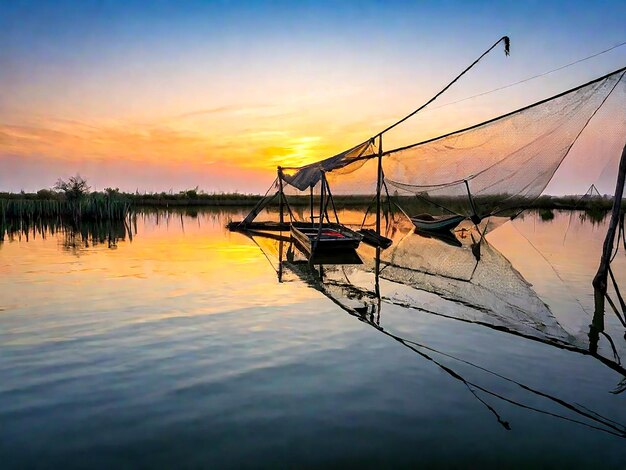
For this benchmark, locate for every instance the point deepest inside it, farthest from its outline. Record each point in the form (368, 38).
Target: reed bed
(24, 212)
(21, 215)
(73, 236)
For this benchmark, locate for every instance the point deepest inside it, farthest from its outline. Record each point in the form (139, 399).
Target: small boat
(436, 223)
(333, 237)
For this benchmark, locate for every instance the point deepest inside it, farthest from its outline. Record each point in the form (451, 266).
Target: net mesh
(496, 167)
(485, 173)
(346, 180)
(502, 163)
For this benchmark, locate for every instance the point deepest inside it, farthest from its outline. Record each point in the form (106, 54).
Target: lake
(186, 345)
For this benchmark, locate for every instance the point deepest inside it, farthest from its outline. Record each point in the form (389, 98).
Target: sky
(160, 96)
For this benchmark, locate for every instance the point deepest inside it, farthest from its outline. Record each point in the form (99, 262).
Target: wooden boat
(436, 223)
(334, 237)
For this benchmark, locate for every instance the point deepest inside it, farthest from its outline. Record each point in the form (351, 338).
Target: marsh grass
(21, 215)
(74, 237)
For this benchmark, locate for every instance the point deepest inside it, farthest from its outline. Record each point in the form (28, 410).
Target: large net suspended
(503, 163)
(493, 168)
(490, 169)
(484, 175)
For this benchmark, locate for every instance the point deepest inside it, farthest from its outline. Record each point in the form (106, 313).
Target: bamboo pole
(280, 260)
(600, 280)
(280, 195)
(332, 201)
(322, 210)
(379, 182)
(312, 217)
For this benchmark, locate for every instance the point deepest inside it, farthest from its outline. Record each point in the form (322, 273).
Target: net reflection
(499, 299)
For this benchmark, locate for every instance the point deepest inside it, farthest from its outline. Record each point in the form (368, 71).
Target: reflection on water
(366, 304)
(168, 340)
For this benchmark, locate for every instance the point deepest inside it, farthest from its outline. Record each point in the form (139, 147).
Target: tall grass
(19, 215)
(74, 236)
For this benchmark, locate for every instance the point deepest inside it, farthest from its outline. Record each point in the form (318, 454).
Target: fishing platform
(494, 168)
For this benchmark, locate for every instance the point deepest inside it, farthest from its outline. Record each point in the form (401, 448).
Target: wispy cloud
(231, 109)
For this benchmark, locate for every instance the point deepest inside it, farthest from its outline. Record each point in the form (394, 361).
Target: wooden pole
(332, 201)
(322, 188)
(379, 182)
(379, 303)
(322, 210)
(280, 260)
(280, 195)
(312, 204)
(600, 281)
(597, 323)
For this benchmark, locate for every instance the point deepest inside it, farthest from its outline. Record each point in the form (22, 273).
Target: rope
(503, 116)
(504, 39)
(529, 78)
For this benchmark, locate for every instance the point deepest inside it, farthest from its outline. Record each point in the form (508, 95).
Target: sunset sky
(162, 95)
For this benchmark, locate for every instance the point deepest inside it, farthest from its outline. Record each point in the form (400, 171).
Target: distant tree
(111, 192)
(191, 193)
(46, 194)
(75, 188)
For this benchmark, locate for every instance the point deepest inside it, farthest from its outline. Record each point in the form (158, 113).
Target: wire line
(529, 78)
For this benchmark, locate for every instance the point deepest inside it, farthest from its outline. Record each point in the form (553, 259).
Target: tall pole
(597, 322)
(322, 195)
(312, 204)
(280, 260)
(322, 210)
(600, 281)
(379, 182)
(379, 302)
(280, 194)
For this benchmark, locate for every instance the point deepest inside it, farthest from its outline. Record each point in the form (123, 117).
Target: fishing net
(485, 173)
(305, 177)
(494, 168)
(503, 163)
(332, 186)
(375, 301)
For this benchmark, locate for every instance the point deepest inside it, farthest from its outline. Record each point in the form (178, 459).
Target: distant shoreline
(187, 199)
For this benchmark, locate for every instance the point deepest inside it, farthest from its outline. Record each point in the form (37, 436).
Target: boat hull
(438, 223)
(335, 238)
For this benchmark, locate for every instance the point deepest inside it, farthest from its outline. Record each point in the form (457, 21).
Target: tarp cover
(309, 175)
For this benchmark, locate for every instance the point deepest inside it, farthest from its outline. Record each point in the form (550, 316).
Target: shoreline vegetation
(71, 202)
(47, 198)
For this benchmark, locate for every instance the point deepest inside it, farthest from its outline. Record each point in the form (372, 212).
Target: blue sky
(262, 80)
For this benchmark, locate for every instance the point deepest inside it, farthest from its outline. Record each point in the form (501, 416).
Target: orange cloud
(261, 146)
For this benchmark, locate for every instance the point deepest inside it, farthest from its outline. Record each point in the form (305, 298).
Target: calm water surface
(181, 347)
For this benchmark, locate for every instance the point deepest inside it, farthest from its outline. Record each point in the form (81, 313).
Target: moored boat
(436, 223)
(332, 237)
